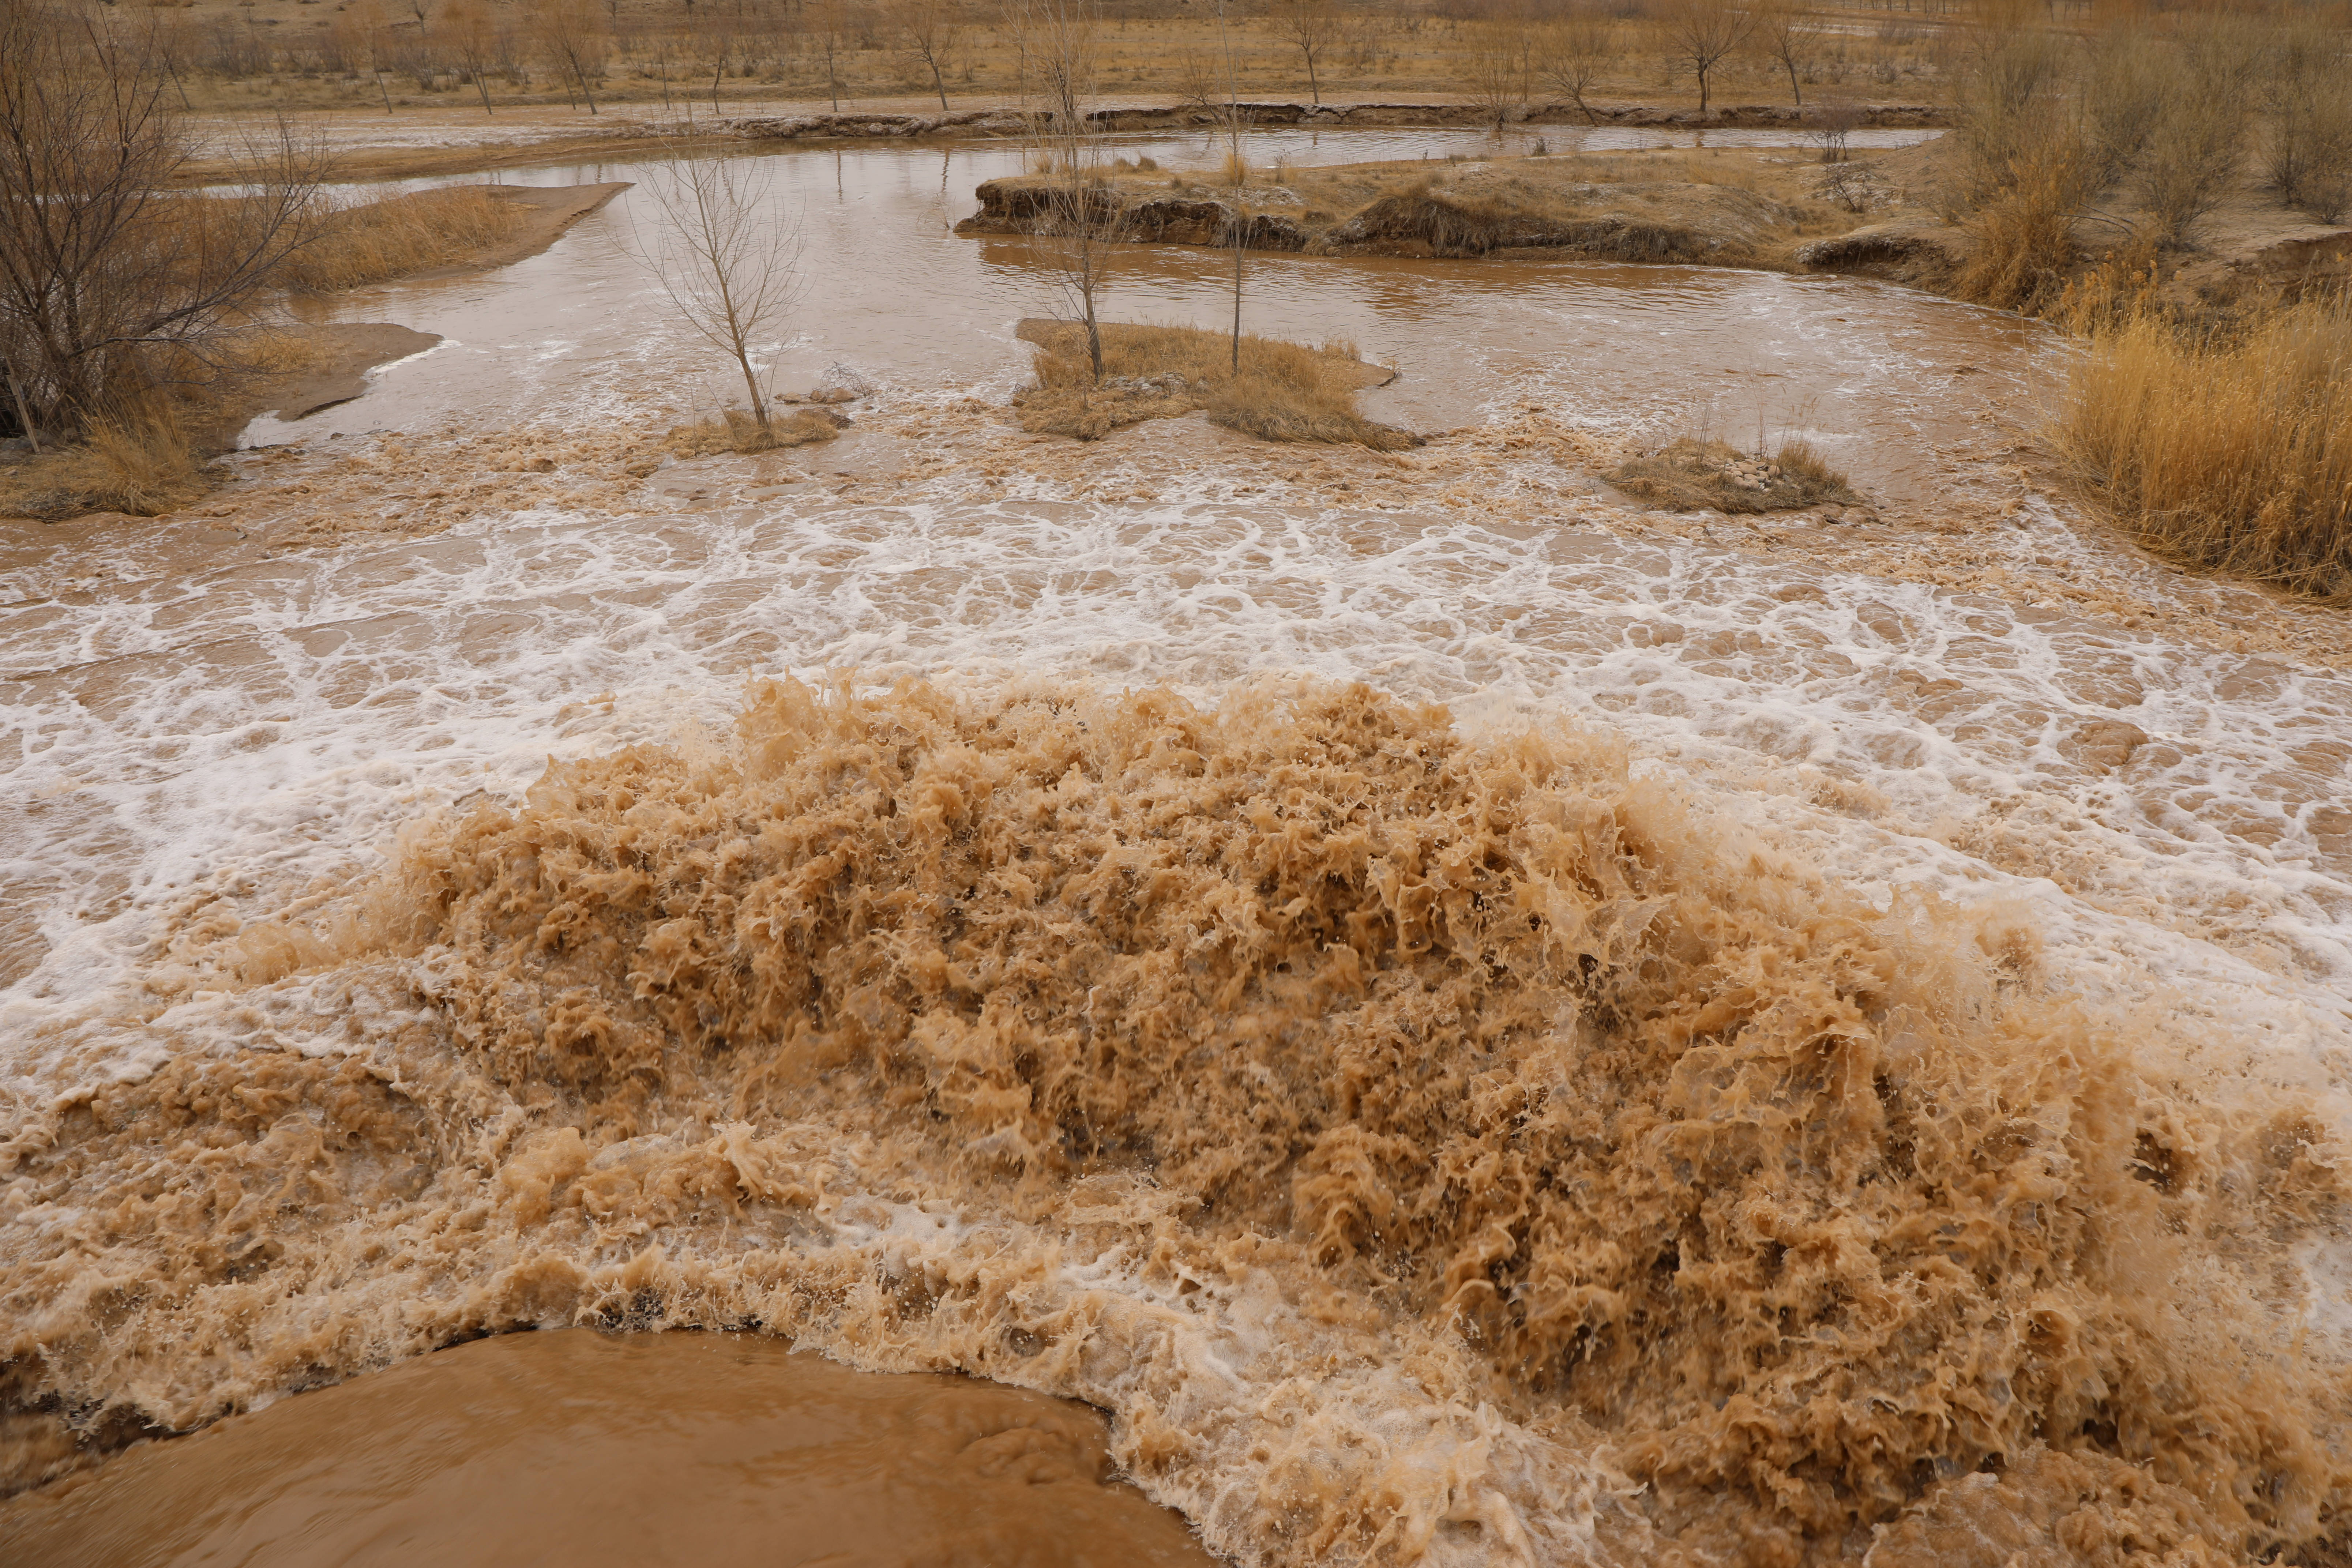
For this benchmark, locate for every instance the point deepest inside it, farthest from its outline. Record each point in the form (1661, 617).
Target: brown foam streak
(1801, 1210)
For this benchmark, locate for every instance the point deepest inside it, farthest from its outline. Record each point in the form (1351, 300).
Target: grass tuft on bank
(142, 464)
(1282, 391)
(2225, 447)
(1692, 475)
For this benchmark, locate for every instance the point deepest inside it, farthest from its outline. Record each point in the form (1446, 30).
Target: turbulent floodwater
(1785, 1064)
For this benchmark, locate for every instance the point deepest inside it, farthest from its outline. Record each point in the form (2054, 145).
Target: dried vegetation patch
(2227, 447)
(1691, 475)
(1281, 391)
(142, 464)
(736, 430)
(373, 242)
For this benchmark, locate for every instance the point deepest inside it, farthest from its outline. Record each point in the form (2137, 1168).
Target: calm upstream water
(996, 938)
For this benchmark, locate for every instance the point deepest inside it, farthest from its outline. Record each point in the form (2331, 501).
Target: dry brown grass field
(361, 55)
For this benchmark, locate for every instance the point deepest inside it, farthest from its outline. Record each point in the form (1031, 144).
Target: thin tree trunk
(751, 385)
(24, 415)
(940, 85)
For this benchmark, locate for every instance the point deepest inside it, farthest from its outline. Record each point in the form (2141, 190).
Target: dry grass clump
(1692, 475)
(1282, 392)
(2229, 450)
(736, 430)
(369, 243)
(142, 464)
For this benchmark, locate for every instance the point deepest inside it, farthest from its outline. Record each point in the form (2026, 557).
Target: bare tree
(1499, 68)
(1312, 27)
(363, 27)
(827, 22)
(721, 34)
(472, 41)
(1235, 162)
(111, 284)
(572, 35)
(728, 266)
(1575, 51)
(1700, 33)
(1054, 44)
(1787, 34)
(932, 31)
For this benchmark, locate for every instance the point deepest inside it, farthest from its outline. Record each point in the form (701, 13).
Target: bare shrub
(1834, 124)
(1849, 186)
(2023, 172)
(2231, 451)
(1497, 71)
(109, 284)
(2308, 159)
(1574, 51)
(2197, 145)
(2125, 90)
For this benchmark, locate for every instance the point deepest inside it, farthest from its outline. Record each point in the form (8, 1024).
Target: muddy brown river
(1879, 378)
(1467, 1034)
(580, 1448)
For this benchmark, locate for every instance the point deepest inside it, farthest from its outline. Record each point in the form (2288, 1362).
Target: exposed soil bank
(346, 351)
(1876, 216)
(1332, 116)
(1421, 209)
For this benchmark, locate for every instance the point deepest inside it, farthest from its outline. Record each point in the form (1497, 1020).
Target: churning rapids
(1470, 1039)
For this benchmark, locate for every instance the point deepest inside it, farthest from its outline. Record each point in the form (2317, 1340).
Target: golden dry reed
(1727, 1183)
(140, 462)
(373, 241)
(2229, 448)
